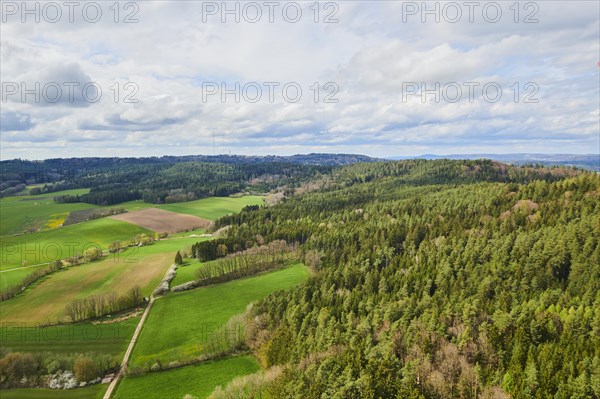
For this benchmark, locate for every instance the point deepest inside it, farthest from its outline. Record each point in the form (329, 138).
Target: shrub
(53, 367)
(85, 369)
(16, 368)
(62, 380)
(92, 254)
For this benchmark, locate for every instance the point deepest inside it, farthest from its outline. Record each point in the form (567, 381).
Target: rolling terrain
(424, 279)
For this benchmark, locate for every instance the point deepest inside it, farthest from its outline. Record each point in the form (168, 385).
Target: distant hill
(585, 161)
(90, 172)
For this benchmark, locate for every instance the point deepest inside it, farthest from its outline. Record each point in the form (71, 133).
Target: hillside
(473, 280)
(424, 279)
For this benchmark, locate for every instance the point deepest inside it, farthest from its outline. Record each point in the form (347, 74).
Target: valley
(437, 271)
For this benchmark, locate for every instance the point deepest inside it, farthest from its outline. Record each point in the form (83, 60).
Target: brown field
(45, 302)
(162, 221)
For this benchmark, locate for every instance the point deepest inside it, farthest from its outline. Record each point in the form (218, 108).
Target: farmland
(91, 392)
(162, 221)
(103, 338)
(47, 246)
(213, 208)
(197, 380)
(46, 301)
(31, 212)
(180, 323)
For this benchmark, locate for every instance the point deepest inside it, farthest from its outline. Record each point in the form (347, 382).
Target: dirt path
(132, 343)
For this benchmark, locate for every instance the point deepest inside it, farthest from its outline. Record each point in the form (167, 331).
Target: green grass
(33, 211)
(198, 380)
(186, 272)
(45, 301)
(91, 392)
(46, 246)
(82, 337)
(11, 278)
(214, 207)
(180, 323)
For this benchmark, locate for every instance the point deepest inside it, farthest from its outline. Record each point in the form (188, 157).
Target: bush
(85, 369)
(17, 368)
(92, 254)
(63, 380)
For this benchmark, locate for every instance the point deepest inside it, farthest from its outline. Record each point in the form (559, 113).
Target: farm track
(132, 343)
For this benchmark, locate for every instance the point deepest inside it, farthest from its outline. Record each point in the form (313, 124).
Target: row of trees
(246, 263)
(10, 292)
(99, 305)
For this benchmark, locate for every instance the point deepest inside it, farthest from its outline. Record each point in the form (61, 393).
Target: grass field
(82, 337)
(60, 243)
(198, 380)
(47, 246)
(180, 323)
(13, 277)
(45, 301)
(186, 272)
(34, 211)
(214, 207)
(91, 392)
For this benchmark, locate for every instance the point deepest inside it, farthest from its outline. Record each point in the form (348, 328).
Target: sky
(389, 78)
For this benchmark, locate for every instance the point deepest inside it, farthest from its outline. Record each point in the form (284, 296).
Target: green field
(46, 246)
(186, 272)
(198, 380)
(13, 277)
(91, 392)
(45, 301)
(214, 207)
(180, 323)
(33, 211)
(84, 337)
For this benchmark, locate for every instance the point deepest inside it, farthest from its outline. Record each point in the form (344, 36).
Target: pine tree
(178, 259)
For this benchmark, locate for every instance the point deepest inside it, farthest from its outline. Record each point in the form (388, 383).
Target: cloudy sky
(378, 78)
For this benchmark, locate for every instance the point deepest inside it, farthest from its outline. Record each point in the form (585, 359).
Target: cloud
(15, 122)
(116, 123)
(371, 54)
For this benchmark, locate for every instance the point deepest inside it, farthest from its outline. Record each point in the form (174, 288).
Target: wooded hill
(434, 279)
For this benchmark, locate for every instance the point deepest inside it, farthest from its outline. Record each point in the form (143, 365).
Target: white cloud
(371, 54)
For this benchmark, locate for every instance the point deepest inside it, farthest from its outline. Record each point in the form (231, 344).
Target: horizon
(315, 153)
(389, 158)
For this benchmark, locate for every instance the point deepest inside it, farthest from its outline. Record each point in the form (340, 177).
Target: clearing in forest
(162, 221)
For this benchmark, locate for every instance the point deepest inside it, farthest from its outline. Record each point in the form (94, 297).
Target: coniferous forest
(443, 279)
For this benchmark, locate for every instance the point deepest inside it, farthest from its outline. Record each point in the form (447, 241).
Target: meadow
(104, 338)
(61, 243)
(186, 272)
(31, 212)
(46, 300)
(214, 207)
(197, 380)
(91, 392)
(180, 323)
(42, 247)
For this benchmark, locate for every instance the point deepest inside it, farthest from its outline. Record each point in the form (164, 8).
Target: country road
(134, 338)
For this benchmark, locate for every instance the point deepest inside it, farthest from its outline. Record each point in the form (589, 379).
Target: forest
(433, 279)
(67, 173)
